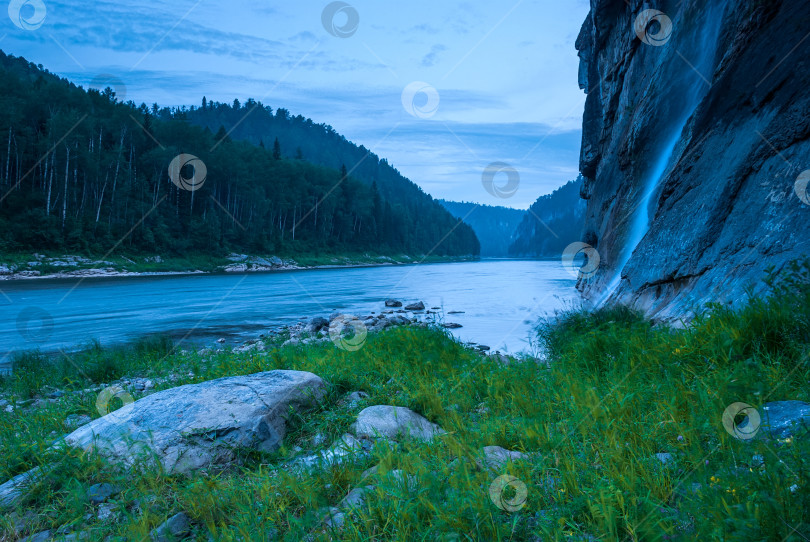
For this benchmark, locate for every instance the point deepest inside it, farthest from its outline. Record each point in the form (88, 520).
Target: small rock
(665, 458)
(355, 398)
(456, 312)
(785, 419)
(393, 303)
(495, 458)
(99, 493)
(176, 527)
(451, 325)
(418, 306)
(39, 537)
(220, 341)
(355, 499)
(333, 518)
(317, 324)
(391, 422)
(106, 511)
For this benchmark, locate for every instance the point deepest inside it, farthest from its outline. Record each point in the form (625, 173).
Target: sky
(441, 89)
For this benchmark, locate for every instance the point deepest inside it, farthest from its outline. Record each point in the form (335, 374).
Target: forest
(84, 172)
(552, 223)
(494, 226)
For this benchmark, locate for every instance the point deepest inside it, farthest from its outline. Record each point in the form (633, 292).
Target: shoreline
(248, 267)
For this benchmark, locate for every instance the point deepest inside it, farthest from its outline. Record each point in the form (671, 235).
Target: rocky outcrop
(199, 425)
(695, 134)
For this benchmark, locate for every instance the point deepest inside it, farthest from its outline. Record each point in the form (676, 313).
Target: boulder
(392, 423)
(355, 499)
(452, 326)
(785, 419)
(393, 303)
(418, 306)
(198, 425)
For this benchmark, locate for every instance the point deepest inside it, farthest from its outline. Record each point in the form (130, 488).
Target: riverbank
(42, 266)
(632, 431)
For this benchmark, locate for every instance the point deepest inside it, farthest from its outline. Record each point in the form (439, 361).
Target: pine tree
(276, 150)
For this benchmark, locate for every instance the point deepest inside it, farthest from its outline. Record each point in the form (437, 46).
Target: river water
(501, 301)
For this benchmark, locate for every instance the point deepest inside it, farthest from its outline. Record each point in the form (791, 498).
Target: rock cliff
(696, 146)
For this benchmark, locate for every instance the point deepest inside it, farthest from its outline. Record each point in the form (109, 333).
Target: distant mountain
(494, 226)
(552, 223)
(300, 138)
(82, 172)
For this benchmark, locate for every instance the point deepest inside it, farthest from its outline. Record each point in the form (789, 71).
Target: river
(501, 301)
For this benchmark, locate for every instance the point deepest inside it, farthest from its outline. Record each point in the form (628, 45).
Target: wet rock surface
(719, 139)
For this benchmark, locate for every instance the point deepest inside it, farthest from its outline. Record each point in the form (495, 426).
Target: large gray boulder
(392, 423)
(198, 425)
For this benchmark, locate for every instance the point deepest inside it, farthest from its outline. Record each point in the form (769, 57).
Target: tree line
(84, 172)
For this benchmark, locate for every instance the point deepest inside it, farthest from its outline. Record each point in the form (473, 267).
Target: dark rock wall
(692, 147)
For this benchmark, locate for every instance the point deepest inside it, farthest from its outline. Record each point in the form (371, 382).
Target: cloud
(432, 57)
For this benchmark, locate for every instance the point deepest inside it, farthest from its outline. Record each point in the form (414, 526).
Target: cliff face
(696, 135)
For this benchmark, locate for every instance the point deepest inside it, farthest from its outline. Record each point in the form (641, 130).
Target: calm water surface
(501, 300)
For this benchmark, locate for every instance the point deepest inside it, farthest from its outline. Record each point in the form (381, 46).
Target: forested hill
(553, 222)
(494, 226)
(297, 137)
(81, 171)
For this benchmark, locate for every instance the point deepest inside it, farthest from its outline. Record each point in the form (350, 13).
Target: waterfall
(697, 88)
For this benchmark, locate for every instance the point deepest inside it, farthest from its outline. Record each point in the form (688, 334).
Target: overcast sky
(501, 76)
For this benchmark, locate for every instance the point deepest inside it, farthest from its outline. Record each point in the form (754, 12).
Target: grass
(618, 390)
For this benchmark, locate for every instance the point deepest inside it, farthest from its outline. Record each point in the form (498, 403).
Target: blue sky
(505, 74)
